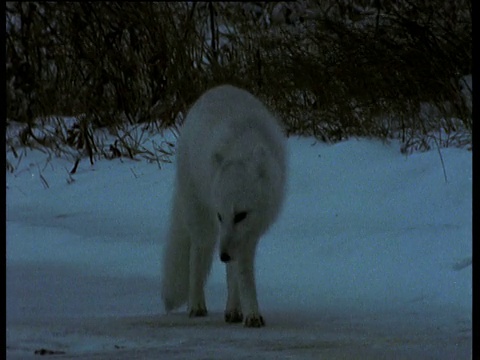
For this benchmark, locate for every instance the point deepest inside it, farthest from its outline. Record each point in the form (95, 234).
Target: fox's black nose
(225, 257)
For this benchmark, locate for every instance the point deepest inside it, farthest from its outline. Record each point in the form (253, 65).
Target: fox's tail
(175, 263)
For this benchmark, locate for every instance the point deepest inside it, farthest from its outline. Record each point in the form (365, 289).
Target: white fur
(231, 164)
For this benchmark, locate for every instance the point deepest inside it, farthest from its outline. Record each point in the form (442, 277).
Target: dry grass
(330, 69)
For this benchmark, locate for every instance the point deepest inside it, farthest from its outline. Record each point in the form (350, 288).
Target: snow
(370, 258)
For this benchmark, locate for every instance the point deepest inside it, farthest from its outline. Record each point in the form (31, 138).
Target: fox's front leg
(233, 311)
(248, 291)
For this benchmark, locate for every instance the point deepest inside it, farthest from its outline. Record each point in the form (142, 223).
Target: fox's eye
(239, 217)
(219, 217)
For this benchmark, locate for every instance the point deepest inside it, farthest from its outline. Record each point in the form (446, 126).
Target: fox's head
(246, 199)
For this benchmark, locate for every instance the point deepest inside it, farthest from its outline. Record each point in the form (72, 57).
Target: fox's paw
(198, 311)
(254, 320)
(233, 316)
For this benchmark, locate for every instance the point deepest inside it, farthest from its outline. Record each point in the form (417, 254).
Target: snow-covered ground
(370, 259)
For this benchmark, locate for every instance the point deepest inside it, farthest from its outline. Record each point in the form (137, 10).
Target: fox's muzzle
(227, 250)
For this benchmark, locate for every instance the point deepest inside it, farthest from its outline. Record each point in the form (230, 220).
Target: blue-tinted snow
(371, 258)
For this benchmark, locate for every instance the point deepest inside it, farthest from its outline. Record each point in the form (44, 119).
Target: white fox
(229, 187)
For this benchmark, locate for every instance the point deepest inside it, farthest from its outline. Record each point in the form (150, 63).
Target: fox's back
(228, 121)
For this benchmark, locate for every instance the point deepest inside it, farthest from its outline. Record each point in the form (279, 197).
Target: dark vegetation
(330, 69)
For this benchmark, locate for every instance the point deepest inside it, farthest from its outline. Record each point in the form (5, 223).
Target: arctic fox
(229, 187)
